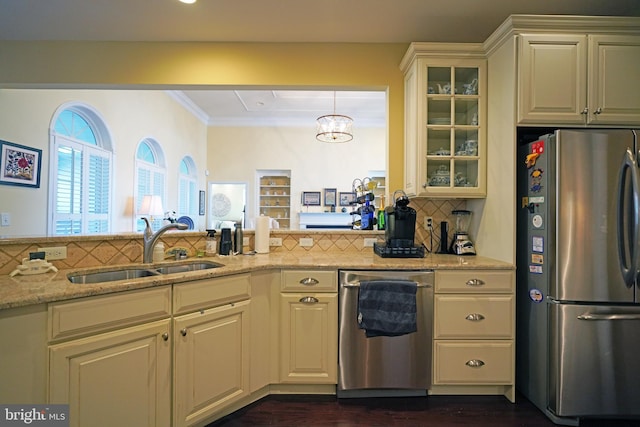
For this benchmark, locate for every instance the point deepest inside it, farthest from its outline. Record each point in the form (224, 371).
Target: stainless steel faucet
(150, 238)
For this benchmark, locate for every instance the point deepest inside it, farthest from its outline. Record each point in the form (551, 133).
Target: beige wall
(235, 153)
(294, 65)
(130, 116)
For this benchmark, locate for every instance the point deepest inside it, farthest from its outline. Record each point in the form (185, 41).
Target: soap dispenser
(211, 247)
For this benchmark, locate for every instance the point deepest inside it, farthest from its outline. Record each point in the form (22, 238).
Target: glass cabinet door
(452, 122)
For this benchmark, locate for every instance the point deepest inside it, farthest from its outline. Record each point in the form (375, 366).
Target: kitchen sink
(113, 275)
(183, 268)
(140, 272)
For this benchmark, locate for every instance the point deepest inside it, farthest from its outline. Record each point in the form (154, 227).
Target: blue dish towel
(387, 307)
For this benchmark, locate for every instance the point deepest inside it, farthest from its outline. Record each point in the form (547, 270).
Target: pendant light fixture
(334, 127)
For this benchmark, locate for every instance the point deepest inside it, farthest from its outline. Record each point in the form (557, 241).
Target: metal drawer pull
(475, 363)
(183, 332)
(165, 336)
(309, 281)
(475, 317)
(309, 300)
(475, 282)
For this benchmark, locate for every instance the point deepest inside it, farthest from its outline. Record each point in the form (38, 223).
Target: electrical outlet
(306, 242)
(5, 219)
(369, 241)
(53, 253)
(275, 241)
(428, 223)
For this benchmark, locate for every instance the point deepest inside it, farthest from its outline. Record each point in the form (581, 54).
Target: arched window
(150, 179)
(188, 188)
(81, 162)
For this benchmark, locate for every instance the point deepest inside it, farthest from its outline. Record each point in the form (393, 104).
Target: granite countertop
(20, 291)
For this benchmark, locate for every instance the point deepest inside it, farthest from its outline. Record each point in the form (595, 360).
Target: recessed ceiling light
(188, 1)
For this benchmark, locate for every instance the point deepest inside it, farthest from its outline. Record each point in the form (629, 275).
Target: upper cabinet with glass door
(445, 148)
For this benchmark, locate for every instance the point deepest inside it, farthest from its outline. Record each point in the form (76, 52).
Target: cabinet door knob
(183, 332)
(165, 336)
(474, 282)
(309, 300)
(475, 317)
(585, 110)
(475, 363)
(309, 281)
(598, 111)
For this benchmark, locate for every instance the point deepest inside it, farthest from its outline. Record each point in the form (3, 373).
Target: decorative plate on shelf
(220, 205)
(186, 220)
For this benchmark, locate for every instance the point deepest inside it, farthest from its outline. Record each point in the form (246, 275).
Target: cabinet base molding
(303, 389)
(508, 391)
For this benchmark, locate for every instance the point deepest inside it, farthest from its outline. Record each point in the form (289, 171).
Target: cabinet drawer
(475, 281)
(102, 313)
(473, 316)
(468, 362)
(309, 280)
(206, 293)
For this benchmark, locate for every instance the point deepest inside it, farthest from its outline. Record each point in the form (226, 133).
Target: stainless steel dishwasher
(384, 365)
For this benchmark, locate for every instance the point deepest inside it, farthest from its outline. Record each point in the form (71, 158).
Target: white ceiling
(371, 21)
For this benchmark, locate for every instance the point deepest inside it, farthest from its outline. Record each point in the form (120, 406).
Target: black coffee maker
(400, 230)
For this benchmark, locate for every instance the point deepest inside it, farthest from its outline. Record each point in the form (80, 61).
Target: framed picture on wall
(19, 165)
(201, 202)
(347, 198)
(330, 195)
(311, 198)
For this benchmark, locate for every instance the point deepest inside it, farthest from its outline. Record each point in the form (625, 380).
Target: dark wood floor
(434, 411)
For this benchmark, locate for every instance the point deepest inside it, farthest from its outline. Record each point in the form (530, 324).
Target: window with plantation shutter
(80, 200)
(150, 179)
(188, 188)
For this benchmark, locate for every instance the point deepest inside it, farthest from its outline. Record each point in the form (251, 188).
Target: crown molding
(560, 24)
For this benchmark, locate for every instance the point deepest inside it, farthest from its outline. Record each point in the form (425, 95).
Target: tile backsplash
(95, 251)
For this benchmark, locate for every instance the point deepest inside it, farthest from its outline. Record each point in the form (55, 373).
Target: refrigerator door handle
(631, 236)
(610, 316)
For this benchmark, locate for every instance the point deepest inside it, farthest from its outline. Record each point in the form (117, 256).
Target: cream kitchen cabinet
(211, 346)
(445, 116)
(579, 79)
(110, 359)
(309, 327)
(24, 354)
(474, 331)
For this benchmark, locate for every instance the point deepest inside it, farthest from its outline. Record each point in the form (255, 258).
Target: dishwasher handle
(357, 285)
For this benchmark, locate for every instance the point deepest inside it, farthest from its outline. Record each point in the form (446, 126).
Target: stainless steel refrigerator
(578, 293)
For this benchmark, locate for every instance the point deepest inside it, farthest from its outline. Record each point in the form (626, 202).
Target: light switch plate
(53, 253)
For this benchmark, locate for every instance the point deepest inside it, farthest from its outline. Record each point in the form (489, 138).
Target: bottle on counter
(238, 238)
(380, 215)
(158, 252)
(211, 246)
